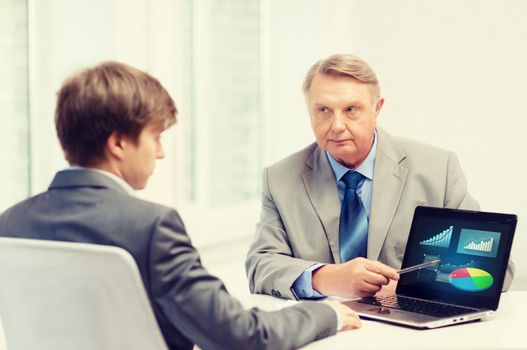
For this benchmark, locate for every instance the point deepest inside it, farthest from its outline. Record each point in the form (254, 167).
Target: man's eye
(351, 109)
(323, 109)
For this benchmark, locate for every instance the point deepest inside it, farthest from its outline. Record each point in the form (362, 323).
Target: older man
(335, 216)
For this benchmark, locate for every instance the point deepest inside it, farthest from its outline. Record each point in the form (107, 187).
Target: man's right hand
(359, 277)
(349, 318)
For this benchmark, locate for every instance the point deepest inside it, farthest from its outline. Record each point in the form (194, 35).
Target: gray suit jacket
(299, 219)
(190, 305)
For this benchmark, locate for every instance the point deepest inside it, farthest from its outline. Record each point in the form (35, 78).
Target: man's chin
(348, 159)
(138, 187)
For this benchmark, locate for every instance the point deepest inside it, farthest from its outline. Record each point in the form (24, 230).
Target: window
(14, 116)
(223, 136)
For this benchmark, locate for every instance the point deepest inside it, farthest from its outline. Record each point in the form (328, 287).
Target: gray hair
(344, 65)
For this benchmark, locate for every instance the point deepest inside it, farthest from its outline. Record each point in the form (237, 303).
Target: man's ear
(379, 105)
(115, 146)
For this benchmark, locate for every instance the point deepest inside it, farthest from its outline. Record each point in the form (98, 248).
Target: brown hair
(110, 97)
(344, 65)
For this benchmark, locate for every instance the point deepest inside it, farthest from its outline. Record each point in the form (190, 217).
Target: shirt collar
(114, 177)
(366, 167)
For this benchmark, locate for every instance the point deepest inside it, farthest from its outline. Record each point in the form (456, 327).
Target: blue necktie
(353, 229)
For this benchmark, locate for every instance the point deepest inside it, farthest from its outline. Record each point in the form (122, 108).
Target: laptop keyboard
(416, 305)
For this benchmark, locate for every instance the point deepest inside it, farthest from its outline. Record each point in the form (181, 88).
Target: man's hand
(388, 289)
(349, 318)
(359, 277)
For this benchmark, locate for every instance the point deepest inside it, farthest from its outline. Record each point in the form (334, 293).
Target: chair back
(64, 296)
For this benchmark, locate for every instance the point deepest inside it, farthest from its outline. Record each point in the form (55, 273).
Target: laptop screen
(474, 250)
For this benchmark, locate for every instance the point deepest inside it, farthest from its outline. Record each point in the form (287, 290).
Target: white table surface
(506, 329)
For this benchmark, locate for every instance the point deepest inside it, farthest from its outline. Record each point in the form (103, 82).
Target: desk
(506, 329)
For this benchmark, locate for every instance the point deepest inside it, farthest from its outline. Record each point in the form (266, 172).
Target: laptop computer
(473, 248)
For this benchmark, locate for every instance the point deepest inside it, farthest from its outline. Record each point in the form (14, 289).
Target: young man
(109, 120)
(336, 215)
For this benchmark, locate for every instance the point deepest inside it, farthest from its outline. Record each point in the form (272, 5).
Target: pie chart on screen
(470, 279)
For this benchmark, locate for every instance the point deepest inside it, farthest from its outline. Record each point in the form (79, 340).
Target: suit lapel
(389, 179)
(322, 191)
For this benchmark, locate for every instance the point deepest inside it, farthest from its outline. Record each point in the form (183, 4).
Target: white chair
(73, 296)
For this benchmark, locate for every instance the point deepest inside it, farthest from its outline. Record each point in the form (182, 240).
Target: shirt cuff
(339, 319)
(303, 284)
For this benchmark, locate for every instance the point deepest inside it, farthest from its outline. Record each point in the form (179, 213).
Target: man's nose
(338, 123)
(160, 152)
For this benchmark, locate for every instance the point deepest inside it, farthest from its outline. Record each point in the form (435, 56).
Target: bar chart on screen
(478, 242)
(441, 239)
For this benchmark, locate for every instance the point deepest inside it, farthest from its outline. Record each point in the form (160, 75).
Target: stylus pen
(419, 266)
